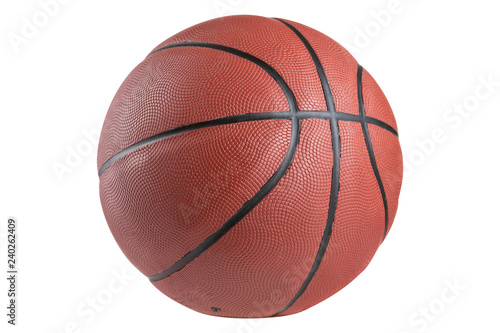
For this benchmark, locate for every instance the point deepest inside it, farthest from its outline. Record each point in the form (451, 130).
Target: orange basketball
(249, 167)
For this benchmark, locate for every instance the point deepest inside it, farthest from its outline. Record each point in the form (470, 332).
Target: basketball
(249, 167)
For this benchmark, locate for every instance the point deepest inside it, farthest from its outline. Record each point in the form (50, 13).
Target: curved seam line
(187, 128)
(240, 118)
(358, 118)
(335, 185)
(381, 124)
(242, 212)
(369, 147)
(294, 114)
(262, 64)
(265, 189)
(292, 102)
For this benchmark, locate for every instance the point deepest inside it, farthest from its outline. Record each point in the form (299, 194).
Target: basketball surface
(249, 167)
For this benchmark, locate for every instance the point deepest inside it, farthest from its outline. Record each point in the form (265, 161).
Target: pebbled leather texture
(162, 200)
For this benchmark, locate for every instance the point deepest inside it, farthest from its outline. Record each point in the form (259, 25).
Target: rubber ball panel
(358, 227)
(251, 271)
(161, 201)
(182, 86)
(249, 167)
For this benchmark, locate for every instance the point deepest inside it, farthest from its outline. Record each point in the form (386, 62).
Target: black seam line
(239, 119)
(335, 186)
(262, 64)
(369, 147)
(187, 128)
(233, 119)
(293, 115)
(330, 104)
(292, 102)
(279, 79)
(242, 212)
(266, 188)
(370, 120)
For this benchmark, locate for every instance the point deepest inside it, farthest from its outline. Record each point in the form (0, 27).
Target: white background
(430, 59)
